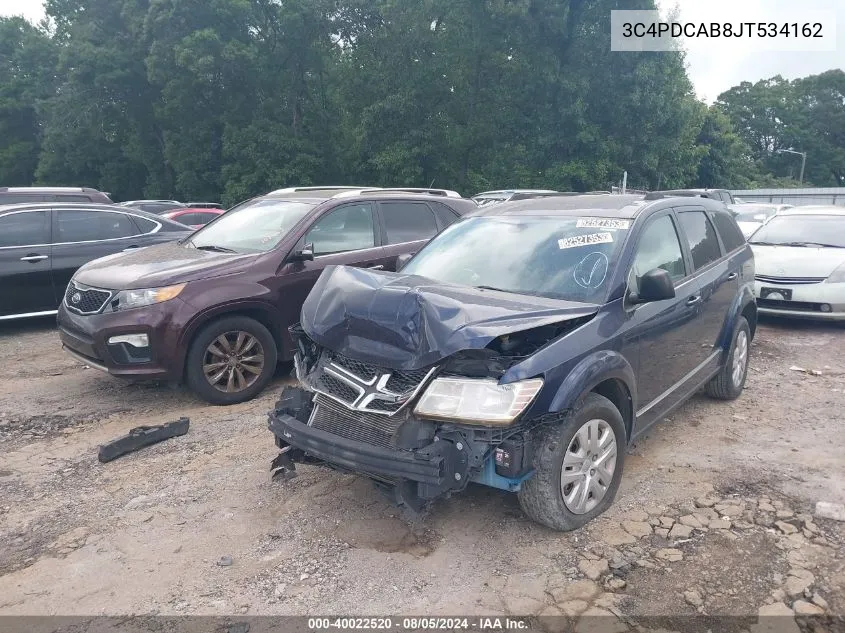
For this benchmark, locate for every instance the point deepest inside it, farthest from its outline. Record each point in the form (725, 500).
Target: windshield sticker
(591, 271)
(584, 240)
(602, 223)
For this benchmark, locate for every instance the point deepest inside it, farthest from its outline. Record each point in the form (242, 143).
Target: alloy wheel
(740, 358)
(588, 466)
(233, 361)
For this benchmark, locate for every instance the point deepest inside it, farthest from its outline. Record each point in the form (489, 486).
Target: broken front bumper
(433, 470)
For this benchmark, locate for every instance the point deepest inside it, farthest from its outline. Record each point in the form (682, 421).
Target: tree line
(225, 99)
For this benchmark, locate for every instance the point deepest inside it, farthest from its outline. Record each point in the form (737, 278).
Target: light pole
(803, 156)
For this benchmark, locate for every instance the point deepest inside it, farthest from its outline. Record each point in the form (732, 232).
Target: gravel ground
(714, 515)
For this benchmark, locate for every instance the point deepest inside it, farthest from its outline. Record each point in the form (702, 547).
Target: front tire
(231, 360)
(578, 466)
(729, 382)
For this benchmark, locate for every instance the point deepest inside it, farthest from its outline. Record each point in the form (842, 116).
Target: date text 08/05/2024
(419, 623)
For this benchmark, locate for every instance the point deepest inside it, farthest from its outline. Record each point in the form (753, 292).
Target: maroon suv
(214, 308)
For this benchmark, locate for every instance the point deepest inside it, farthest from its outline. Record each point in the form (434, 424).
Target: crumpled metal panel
(409, 322)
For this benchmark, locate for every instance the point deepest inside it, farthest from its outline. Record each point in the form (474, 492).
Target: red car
(195, 218)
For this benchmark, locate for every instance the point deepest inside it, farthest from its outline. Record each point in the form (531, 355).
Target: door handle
(693, 300)
(732, 276)
(34, 258)
(375, 267)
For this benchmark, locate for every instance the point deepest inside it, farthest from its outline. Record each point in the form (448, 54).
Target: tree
(27, 78)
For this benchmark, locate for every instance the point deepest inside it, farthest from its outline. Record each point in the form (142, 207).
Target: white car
(750, 216)
(799, 257)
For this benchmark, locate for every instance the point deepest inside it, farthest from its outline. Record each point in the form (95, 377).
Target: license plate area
(776, 294)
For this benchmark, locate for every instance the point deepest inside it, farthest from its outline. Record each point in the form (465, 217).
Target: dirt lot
(714, 514)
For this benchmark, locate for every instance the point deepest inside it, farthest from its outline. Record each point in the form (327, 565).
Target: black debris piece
(142, 436)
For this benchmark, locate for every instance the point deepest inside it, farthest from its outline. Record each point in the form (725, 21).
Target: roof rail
(48, 189)
(326, 188)
(657, 195)
(446, 193)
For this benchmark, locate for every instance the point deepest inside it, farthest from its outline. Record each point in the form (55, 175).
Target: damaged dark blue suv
(523, 348)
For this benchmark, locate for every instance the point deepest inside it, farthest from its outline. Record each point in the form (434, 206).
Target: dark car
(215, 309)
(524, 348)
(157, 207)
(20, 195)
(43, 245)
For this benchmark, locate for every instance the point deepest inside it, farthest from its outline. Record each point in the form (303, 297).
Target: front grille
(332, 417)
(364, 370)
(800, 306)
(365, 387)
(84, 300)
(789, 280)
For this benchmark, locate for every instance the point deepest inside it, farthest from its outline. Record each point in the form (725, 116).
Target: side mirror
(655, 285)
(403, 259)
(304, 255)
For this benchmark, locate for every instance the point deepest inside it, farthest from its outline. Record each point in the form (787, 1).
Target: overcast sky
(715, 65)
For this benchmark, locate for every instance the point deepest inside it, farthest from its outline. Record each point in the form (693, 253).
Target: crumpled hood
(159, 265)
(796, 261)
(407, 322)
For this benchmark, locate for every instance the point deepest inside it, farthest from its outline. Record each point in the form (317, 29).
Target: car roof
(814, 210)
(49, 190)
(503, 192)
(601, 205)
(85, 206)
(625, 206)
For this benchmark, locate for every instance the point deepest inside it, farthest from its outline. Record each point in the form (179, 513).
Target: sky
(713, 66)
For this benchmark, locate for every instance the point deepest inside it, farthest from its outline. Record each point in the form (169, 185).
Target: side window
(188, 218)
(144, 225)
(347, 228)
(204, 218)
(701, 237)
(25, 229)
(408, 221)
(659, 247)
(86, 226)
(444, 214)
(726, 226)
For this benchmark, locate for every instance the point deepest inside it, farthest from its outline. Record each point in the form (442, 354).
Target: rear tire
(552, 496)
(729, 382)
(231, 360)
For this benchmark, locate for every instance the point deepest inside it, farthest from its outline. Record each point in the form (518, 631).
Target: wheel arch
(606, 373)
(744, 305)
(264, 314)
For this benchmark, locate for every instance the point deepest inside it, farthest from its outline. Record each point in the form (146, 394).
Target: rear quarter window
(445, 215)
(728, 230)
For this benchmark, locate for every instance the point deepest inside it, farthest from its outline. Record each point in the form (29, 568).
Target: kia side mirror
(304, 255)
(403, 259)
(655, 285)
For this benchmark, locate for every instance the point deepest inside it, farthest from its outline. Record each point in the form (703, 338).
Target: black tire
(195, 360)
(722, 386)
(542, 496)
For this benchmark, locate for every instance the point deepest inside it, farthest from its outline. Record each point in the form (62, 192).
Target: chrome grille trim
(88, 296)
(789, 280)
(371, 393)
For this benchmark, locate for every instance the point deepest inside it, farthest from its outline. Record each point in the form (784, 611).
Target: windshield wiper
(492, 288)
(215, 248)
(768, 243)
(813, 245)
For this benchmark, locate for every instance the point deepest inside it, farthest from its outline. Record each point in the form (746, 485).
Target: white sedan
(751, 216)
(799, 257)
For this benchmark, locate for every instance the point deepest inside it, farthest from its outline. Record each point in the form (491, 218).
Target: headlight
(137, 298)
(477, 401)
(837, 276)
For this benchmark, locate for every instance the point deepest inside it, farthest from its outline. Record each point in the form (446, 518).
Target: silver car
(799, 255)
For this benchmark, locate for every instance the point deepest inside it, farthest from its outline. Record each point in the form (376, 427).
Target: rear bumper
(433, 465)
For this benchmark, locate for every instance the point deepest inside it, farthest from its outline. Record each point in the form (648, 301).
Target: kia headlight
(127, 299)
(838, 275)
(477, 401)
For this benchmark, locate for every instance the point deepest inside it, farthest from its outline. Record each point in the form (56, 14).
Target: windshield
(558, 257)
(252, 227)
(802, 230)
(755, 214)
